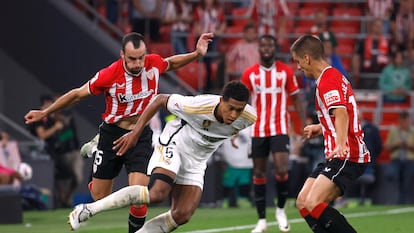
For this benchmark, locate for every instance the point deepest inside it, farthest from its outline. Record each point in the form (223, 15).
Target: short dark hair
(308, 44)
(268, 36)
(134, 37)
(235, 90)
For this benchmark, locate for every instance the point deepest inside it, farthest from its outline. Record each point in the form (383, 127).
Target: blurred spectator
(178, 13)
(237, 174)
(400, 142)
(331, 57)
(209, 17)
(395, 80)
(59, 134)
(402, 27)
(146, 17)
(322, 30)
(371, 53)
(381, 9)
(9, 161)
(313, 148)
(265, 13)
(373, 141)
(243, 54)
(68, 160)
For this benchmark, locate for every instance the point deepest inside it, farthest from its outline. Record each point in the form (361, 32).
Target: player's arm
(70, 98)
(180, 60)
(130, 139)
(311, 131)
(341, 127)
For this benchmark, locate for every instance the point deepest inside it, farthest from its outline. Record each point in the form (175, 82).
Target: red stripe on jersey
(334, 91)
(270, 88)
(127, 95)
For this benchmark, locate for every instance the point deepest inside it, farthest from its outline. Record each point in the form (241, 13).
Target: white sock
(135, 194)
(159, 224)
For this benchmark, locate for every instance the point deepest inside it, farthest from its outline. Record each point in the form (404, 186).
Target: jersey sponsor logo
(128, 98)
(260, 89)
(331, 97)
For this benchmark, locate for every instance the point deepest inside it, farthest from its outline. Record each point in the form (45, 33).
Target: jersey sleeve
(246, 80)
(291, 82)
(155, 60)
(330, 90)
(175, 104)
(103, 78)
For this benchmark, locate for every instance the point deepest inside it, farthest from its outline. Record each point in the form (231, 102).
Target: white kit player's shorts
(189, 169)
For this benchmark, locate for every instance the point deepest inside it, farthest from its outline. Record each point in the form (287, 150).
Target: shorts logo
(331, 97)
(327, 169)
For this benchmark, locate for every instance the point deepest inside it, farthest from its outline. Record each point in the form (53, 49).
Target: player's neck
(216, 115)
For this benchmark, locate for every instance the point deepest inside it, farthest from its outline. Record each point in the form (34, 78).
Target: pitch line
(298, 220)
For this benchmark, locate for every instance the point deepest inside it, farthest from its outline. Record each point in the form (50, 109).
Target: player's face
(134, 58)
(303, 64)
(230, 110)
(267, 49)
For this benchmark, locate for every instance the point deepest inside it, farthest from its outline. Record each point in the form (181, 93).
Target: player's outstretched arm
(130, 139)
(181, 60)
(70, 98)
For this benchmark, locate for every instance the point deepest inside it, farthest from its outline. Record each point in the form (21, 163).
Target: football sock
(313, 223)
(282, 190)
(135, 194)
(330, 219)
(260, 196)
(136, 217)
(159, 224)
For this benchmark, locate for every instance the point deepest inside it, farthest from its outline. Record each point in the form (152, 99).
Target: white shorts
(189, 170)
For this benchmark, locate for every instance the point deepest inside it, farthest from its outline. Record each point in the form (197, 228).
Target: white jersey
(188, 141)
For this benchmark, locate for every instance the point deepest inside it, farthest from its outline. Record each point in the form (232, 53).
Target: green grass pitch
(366, 219)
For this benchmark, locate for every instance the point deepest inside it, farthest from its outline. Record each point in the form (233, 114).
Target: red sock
(138, 212)
(304, 212)
(318, 210)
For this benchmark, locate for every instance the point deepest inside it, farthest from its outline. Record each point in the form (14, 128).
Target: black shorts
(107, 164)
(341, 172)
(262, 146)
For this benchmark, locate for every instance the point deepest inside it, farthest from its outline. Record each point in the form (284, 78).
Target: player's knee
(300, 201)
(159, 187)
(181, 216)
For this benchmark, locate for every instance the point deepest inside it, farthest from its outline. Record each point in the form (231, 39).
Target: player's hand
(124, 143)
(202, 43)
(311, 131)
(33, 116)
(340, 151)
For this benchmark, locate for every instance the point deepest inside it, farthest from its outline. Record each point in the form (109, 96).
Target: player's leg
(300, 204)
(185, 200)
(136, 163)
(280, 151)
(330, 184)
(260, 152)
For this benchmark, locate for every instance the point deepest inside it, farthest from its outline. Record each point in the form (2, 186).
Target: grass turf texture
(367, 219)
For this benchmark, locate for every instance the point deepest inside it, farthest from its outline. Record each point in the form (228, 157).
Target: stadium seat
(194, 74)
(164, 49)
(342, 17)
(165, 32)
(240, 19)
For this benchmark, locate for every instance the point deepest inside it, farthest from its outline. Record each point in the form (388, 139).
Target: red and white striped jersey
(127, 95)
(270, 89)
(333, 90)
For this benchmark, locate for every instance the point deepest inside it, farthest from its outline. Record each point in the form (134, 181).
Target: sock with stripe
(330, 219)
(282, 190)
(136, 218)
(259, 185)
(313, 223)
